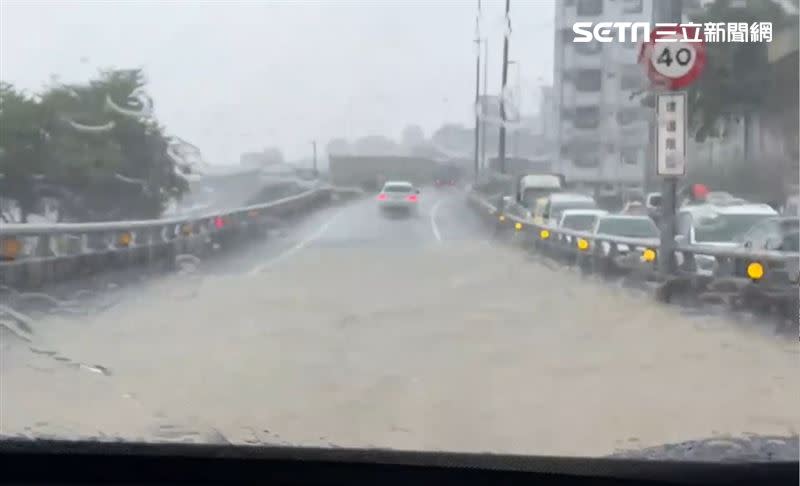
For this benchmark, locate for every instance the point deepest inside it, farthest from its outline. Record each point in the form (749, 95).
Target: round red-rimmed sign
(674, 57)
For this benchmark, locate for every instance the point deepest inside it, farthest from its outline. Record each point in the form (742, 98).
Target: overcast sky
(235, 76)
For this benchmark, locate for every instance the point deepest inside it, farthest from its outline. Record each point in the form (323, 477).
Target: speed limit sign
(674, 57)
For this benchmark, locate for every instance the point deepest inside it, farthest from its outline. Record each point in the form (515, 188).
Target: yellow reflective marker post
(583, 245)
(518, 226)
(544, 234)
(649, 255)
(124, 239)
(755, 271)
(11, 248)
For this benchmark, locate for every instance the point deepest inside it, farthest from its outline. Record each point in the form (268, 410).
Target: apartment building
(602, 130)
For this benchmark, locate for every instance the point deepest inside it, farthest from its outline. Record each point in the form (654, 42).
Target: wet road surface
(350, 329)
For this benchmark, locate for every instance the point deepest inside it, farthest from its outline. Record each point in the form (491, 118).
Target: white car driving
(399, 196)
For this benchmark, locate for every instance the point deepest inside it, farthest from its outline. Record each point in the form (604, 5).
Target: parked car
(777, 234)
(615, 257)
(717, 226)
(580, 219)
(780, 234)
(548, 209)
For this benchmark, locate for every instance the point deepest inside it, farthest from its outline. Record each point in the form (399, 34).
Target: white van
(535, 186)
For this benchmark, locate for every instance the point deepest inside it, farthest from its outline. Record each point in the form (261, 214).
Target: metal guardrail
(35, 254)
(735, 276)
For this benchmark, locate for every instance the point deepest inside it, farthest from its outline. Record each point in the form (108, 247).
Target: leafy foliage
(94, 147)
(737, 75)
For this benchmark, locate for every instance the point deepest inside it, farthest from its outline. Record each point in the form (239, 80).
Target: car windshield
(724, 227)
(628, 227)
(334, 224)
(579, 222)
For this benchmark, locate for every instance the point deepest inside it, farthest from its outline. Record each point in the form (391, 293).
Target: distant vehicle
(717, 225)
(635, 208)
(580, 219)
(446, 176)
(535, 186)
(642, 230)
(632, 194)
(776, 234)
(653, 202)
(627, 226)
(529, 189)
(773, 234)
(548, 209)
(399, 196)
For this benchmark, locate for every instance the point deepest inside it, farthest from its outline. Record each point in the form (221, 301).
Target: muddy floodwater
(453, 344)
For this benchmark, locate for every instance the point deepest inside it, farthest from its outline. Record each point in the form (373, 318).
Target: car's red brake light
(381, 197)
(412, 198)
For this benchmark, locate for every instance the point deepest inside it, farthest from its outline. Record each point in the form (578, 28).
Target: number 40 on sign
(672, 62)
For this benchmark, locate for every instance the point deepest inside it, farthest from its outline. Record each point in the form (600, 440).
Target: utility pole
(477, 87)
(314, 145)
(668, 11)
(502, 151)
(483, 104)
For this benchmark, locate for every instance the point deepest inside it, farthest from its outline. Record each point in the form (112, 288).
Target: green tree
(22, 147)
(737, 75)
(96, 147)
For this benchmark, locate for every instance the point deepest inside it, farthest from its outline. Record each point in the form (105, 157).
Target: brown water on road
(458, 346)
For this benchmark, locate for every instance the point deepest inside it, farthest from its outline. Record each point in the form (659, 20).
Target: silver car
(399, 197)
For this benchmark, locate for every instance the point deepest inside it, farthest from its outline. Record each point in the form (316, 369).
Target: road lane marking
(434, 226)
(299, 246)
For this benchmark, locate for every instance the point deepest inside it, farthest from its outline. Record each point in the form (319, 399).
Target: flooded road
(354, 330)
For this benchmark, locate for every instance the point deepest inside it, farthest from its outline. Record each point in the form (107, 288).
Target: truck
(370, 172)
(447, 175)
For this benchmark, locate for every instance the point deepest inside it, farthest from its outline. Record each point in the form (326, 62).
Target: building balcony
(571, 97)
(575, 57)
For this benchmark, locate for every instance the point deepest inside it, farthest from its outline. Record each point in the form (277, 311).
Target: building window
(586, 117)
(586, 161)
(587, 48)
(632, 6)
(626, 116)
(588, 80)
(631, 80)
(590, 7)
(630, 156)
